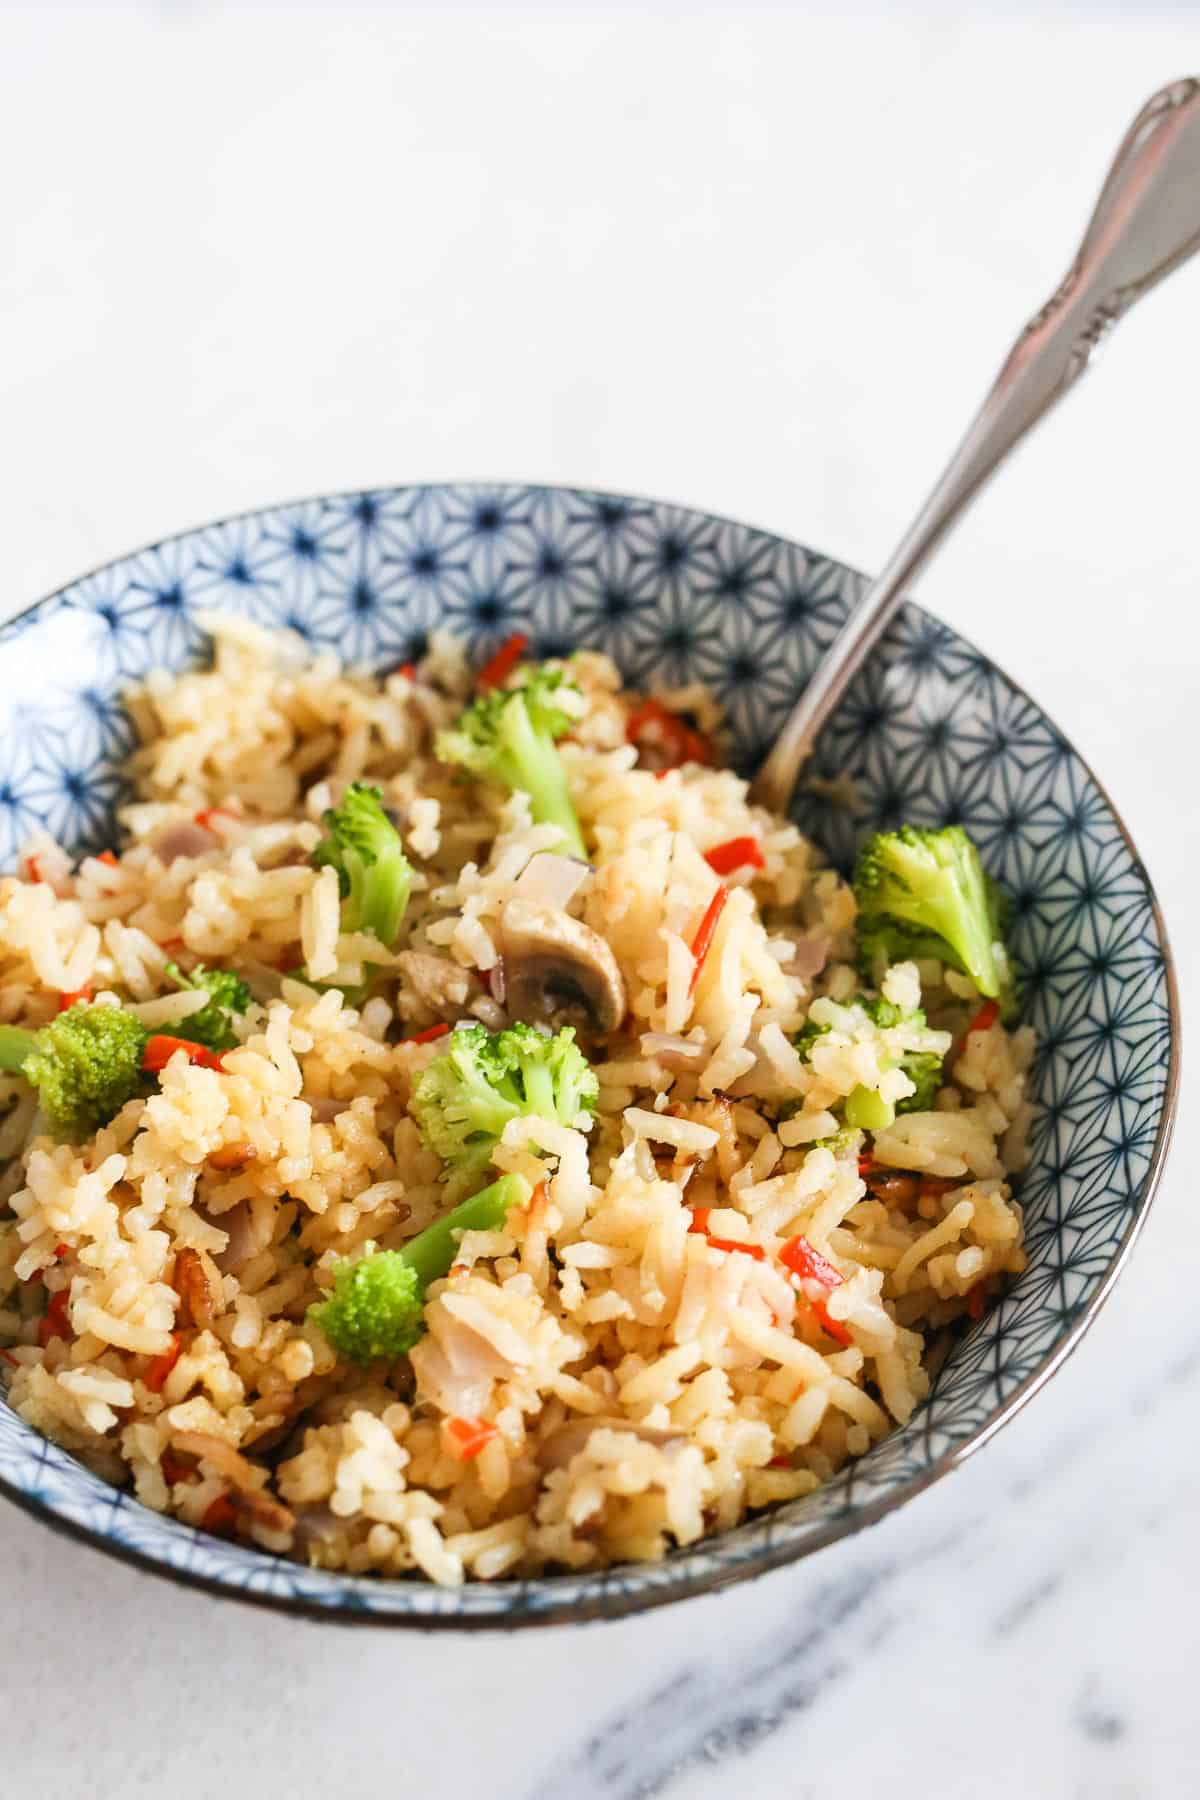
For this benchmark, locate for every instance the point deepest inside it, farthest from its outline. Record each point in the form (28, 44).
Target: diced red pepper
(204, 818)
(61, 1250)
(35, 868)
(866, 1163)
(738, 853)
(107, 857)
(408, 670)
(10, 1358)
(160, 1049)
(220, 1517)
(429, 1035)
(977, 1300)
(469, 1436)
(780, 1462)
(700, 1218)
(499, 667)
(655, 724)
(173, 1469)
(161, 1366)
(799, 1256)
(72, 998)
(57, 1322)
(985, 1018)
(702, 942)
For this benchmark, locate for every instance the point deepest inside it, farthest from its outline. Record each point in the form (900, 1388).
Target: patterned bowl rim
(680, 1580)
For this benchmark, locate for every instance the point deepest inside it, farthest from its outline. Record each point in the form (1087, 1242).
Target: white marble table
(761, 265)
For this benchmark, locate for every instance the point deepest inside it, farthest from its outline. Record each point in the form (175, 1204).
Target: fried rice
(628, 1365)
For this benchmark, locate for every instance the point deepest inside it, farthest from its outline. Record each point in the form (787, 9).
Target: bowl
(931, 732)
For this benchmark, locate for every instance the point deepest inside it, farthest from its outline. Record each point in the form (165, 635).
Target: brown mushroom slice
(558, 971)
(567, 1440)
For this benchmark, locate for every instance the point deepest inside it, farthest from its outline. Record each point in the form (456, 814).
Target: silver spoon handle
(1145, 223)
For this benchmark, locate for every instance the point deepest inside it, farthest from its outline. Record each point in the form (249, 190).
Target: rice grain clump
(748, 1177)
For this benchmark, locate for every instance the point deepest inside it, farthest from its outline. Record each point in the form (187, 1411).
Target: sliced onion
(809, 956)
(673, 1052)
(551, 880)
(567, 1440)
(324, 1112)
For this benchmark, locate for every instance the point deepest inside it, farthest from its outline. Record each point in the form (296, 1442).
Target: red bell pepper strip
(57, 1322)
(799, 1256)
(469, 1436)
(499, 667)
(72, 997)
(428, 1035)
(161, 1366)
(834, 1327)
(160, 1049)
(702, 942)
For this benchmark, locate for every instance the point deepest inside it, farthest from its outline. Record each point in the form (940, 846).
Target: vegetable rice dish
(454, 1133)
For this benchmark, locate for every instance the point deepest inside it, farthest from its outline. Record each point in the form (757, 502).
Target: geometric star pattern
(930, 731)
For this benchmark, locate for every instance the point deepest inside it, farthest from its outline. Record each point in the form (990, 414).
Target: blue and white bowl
(931, 732)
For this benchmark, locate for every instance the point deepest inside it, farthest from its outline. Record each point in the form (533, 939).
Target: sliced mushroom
(558, 971)
(184, 839)
(567, 1440)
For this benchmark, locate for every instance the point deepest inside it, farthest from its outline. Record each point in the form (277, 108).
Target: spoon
(1145, 224)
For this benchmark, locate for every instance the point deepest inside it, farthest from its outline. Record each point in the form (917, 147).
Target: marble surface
(263, 252)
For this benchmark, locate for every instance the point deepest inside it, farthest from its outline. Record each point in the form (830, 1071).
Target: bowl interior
(931, 732)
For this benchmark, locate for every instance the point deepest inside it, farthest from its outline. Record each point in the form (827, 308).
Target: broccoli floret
(924, 893)
(378, 1303)
(807, 1036)
(508, 736)
(212, 1025)
(483, 1079)
(923, 1067)
(374, 874)
(924, 1070)
(85, 1065)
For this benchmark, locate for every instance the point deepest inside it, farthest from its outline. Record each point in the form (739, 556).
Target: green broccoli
(924, 893)
(508, 735)
(924, 1070)
(378, 1303)
(483, 1079)
(85, 1065)
(212, 1025)
(374, 874)
(923, 1067)
(807, 1036)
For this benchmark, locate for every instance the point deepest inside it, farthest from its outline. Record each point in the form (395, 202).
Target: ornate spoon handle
(1145, 224)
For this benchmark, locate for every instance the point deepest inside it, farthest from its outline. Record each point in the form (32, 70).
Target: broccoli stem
(433, 1250)
(535, 766)
(866, 1110)
(15, 1045)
